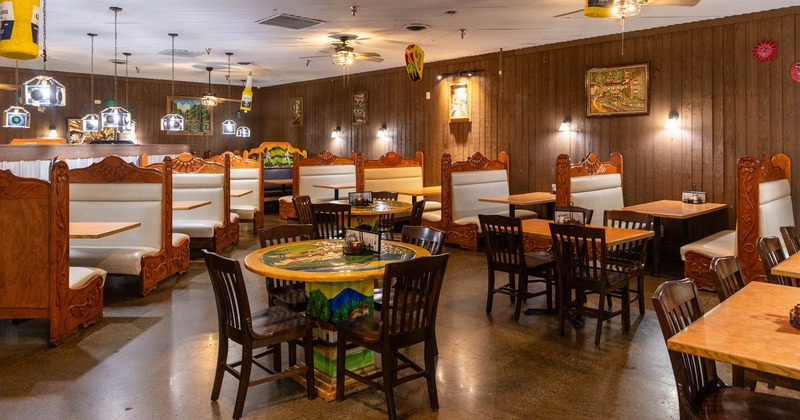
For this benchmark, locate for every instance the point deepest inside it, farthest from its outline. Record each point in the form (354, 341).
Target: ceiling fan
(343, 54)
(209, 99)
(623, 8)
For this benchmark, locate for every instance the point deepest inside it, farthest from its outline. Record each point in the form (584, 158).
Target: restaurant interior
(361, 182)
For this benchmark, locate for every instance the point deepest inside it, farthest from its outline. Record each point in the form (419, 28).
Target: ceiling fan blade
(369, 58)
(314, 56)
(684, 3)
(7, 86)
(569, 13)
(368, 54)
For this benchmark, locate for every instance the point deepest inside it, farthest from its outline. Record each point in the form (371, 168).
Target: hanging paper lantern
(415, 59)
(794, 71)
(765, 50)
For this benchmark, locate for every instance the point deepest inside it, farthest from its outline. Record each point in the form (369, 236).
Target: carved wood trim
(563, 185)
(114, 169)
(590, 165)
(286, 210)
(696, 266)
(359, 172)
(447, 189)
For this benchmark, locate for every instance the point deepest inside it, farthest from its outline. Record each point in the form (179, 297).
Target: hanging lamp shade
(116, 117)
(42, 91)
(90, 123)
(243, 131)
(16, 117)
(172, 122)
(229, 127)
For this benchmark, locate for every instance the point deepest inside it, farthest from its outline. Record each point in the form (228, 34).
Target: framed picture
(198, 119)
(74, 130)
(296, 112)
(459, 102)
(623, 90)
(566, 217)
(359, 108)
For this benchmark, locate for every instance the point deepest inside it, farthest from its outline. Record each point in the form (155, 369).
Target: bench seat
(126, 260)
(81, 276)
(199, 228)
(720, 244)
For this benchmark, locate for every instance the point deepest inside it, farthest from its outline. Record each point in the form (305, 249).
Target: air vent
(183, 53)
(416, 27)
(289, 21)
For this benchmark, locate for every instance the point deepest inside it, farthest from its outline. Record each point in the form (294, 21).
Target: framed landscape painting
(623, 90)
(198, 119)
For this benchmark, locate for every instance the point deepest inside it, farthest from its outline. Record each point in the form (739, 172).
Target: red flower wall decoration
(794, 71)
(765, 50)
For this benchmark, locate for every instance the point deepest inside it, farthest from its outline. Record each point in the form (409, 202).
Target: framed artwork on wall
(459, 102)
(198, 119)
(296, 111)
(359, 108)
(622, 90)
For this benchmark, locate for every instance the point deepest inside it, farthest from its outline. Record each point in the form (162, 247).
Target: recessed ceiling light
(415, 27)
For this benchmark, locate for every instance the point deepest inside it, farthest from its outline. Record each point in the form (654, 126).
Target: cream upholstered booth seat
(463, 183)
(327, 169)
(765, 183)
(591, 183)
(392, 172)
(115, 191)
(246, 174)
(36, 280)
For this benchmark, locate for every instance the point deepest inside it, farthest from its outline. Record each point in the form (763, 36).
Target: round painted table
(377, 208)
(339, 287)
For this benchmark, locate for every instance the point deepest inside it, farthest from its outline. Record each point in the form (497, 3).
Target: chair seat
(277, 320)
(538, 259)
(741, 403)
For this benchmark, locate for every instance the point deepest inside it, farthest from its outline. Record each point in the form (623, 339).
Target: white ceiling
(229, 26)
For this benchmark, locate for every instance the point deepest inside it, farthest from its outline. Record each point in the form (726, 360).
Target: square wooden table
(540, 228)
(188, 205)
(94, 230)
(789, 267)
(527, 199)
(240, 193)
(336, 187)
(749, 329)
(671, 209)
(424, 191)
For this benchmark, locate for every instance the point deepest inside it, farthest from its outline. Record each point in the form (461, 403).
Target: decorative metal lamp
(44, 91)
(229, 126)
(243, 131)
(172, 121)
(91, 122)
(114, 116)
(16, 117)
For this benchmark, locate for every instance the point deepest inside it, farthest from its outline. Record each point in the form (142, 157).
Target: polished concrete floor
(153, 358)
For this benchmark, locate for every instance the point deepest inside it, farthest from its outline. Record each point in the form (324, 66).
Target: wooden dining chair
(302, 209)
(629, 257)
(789, 234)
(416, 212)
(287, 293)
(267, 329)
(701, 393)
(505, 252)
(385, 221)
(728, 276)
(771, 254)
(580, 252)
(408, 319)
(330, 220)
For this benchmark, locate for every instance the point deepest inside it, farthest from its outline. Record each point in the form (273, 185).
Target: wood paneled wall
(147, 100)
(729, 104)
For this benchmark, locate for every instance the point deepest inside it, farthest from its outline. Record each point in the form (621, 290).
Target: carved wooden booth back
(476, 162)
(391, 162)
(589, 166)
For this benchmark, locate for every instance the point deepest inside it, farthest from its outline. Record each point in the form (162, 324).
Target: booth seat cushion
(325, 174)
(597, 192)
(78, 276)
(470, 185)
(178, 238)
(521, 214)
(234, 218)
(117, 260)
(432, 216)
(720, 244)
(245, 212)
(432, 206)
(196, 228)
(775, 208)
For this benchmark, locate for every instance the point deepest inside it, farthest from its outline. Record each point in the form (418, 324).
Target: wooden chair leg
(511, 282)
(490, 292)
(640, 291)
(430, 372)
(292, 353)
(341, 350)
(276, 357)
(600, 319)
(308, 351)
(222, 357)
(244, 381)
(520, 288)
(388, 384)
(563, 307)
(626, 308)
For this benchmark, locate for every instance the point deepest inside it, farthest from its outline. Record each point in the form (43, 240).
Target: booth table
(339, 287)
(94, 230)
(188, 205)
(789, 267)
(240, 193)
(424, 191)
(750, 329)
(540, 229)
(671, 209)
(527, 199)
(336, 188)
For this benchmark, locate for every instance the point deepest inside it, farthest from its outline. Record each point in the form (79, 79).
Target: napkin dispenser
(693, 197)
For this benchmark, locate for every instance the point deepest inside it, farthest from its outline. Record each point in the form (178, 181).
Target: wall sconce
(336, 133)
(565, 125)
(53, 134)
(383, 132)
(458, 73)
(672, 121)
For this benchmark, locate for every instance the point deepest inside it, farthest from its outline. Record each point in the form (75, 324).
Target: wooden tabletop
(675, 209)
(540, 228)
(377, 207)
(749, 329)
(239, 193)
(322, 260)
(278, 181)
(188, 205)
(337, 186)
(789, 267)
(522, 199)
(94, 230)
(434, 190)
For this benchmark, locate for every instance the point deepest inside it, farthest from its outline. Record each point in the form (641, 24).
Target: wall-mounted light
(336, 133)
(565, 124)
(383, 132)
(53, 133)
(672, 121)
(459, 73)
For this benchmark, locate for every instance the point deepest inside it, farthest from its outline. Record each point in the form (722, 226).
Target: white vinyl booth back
(41, 168)
(597, 192)
(246, 179)
(469, 186)
(392, 179)
(775, 208)
(201, 221)
(325, 174)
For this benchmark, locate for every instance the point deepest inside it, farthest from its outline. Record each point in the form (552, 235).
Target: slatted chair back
(789, 235)
(288, 293)
(414, 299)
(330, 220)
(728, 275)
(426, 237)
(385, 221)
(416, 213)
(302, 209)
(634, 252)
(771, 254)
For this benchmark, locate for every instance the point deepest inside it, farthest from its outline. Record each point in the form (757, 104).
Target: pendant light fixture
(91, 122)
(44, 91)
(228, 126)
(171, 121)
(16, 116)
(115, 116)
(242, 131)
(209, 99)
(128, 127)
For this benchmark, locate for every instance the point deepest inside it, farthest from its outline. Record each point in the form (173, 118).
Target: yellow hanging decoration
(19, 29)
